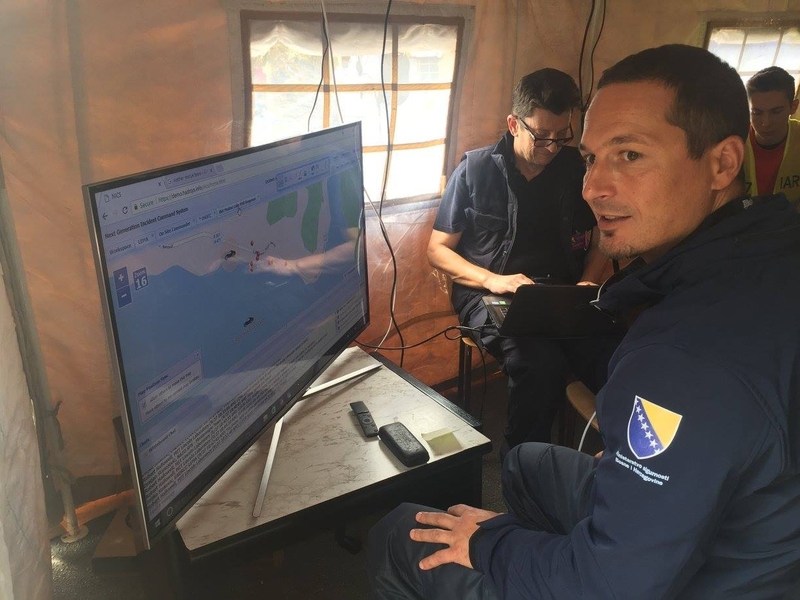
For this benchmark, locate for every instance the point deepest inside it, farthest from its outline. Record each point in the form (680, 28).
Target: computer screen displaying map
(229, 284)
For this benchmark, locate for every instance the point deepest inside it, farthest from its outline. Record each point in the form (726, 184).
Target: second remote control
(364, 419)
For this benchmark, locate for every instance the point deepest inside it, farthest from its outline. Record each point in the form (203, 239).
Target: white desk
(325, 466)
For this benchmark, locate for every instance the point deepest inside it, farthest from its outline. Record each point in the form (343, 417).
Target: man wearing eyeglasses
(512, 213)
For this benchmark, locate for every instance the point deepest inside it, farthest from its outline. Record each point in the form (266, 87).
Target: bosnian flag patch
(651, 428)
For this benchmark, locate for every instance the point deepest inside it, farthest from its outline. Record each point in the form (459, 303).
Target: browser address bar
(176, 195)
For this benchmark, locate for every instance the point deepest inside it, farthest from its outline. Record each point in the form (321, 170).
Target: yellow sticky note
(442, 441)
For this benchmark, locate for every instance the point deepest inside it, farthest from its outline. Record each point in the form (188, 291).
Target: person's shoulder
(684, 376)
(478, 155)
(479, 159)
(486, 152)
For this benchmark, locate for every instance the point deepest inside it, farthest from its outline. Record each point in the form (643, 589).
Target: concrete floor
(316, 568)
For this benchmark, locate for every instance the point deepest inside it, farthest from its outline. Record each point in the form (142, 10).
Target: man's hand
(506, 284)
(275, 265)
(453, 528)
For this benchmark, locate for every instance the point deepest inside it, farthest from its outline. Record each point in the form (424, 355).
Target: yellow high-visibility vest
(788, 180)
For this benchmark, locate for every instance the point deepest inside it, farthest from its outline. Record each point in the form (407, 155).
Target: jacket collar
(725, 231)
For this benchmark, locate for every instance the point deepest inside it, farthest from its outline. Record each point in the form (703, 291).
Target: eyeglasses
(545, 142)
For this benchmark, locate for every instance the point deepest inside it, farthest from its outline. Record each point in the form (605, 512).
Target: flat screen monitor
(228, 283)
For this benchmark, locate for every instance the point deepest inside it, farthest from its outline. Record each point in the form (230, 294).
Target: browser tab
(190, 176)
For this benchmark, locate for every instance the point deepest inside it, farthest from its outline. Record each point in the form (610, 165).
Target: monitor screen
(229, 283)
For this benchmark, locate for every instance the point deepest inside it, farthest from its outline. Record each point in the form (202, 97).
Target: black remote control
(364, 419)
(403, 444)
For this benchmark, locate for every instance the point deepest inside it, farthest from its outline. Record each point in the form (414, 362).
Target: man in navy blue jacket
(697, 493)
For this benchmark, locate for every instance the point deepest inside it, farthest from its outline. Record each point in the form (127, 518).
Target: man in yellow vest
(772, 163)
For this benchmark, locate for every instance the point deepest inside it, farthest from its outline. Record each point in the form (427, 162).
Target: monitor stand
(276, 431)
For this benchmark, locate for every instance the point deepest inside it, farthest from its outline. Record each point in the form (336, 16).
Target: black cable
(384, 233)
(580, 59)
(459, 328)
(393, 292)
(485, 384)
(381, 224)
(386, 107)
(321, 75)
(591, 56)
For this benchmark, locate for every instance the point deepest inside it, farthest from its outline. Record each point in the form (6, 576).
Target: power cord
(328, 53)
(485, 383)
(591, 56)
(326, 28)
(444, 332)
(461, 329)
(588, 96)
(385, 183)
(586, 430)
(580, 56)
(321, 76)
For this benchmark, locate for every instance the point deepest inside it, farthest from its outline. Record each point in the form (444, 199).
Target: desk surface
(322, 454)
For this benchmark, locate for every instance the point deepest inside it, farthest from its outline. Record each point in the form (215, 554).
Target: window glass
(752, 48)
(727, 44)
(284, 52)
(374, 164)
(412, 170)
(357, 69)
(422, 116)
(429, 53)
(789, 53)
(279, 115)
(366, 107)
(760, 50)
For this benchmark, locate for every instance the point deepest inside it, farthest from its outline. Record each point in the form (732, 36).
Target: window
(283, 67)
(750, 47)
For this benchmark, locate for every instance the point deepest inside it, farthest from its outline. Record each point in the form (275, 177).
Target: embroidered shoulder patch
(651, 428)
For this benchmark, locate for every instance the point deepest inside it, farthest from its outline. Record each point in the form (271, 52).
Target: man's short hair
(710, 100)
(771, 79)
(550, 89)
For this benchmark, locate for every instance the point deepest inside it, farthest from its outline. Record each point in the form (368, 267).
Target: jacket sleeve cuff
(473, 543)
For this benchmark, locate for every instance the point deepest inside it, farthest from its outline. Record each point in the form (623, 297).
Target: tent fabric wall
(94, 89)
(24, 551)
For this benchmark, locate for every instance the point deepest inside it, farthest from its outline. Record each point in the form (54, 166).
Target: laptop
(550, 311)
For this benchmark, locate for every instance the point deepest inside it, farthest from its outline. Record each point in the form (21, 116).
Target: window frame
(240, 12)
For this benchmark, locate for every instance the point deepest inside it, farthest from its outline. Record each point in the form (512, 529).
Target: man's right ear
(513, 126)
(727, 158)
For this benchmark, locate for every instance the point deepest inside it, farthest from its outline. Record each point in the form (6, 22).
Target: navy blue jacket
(697, 494)
(479, 203)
